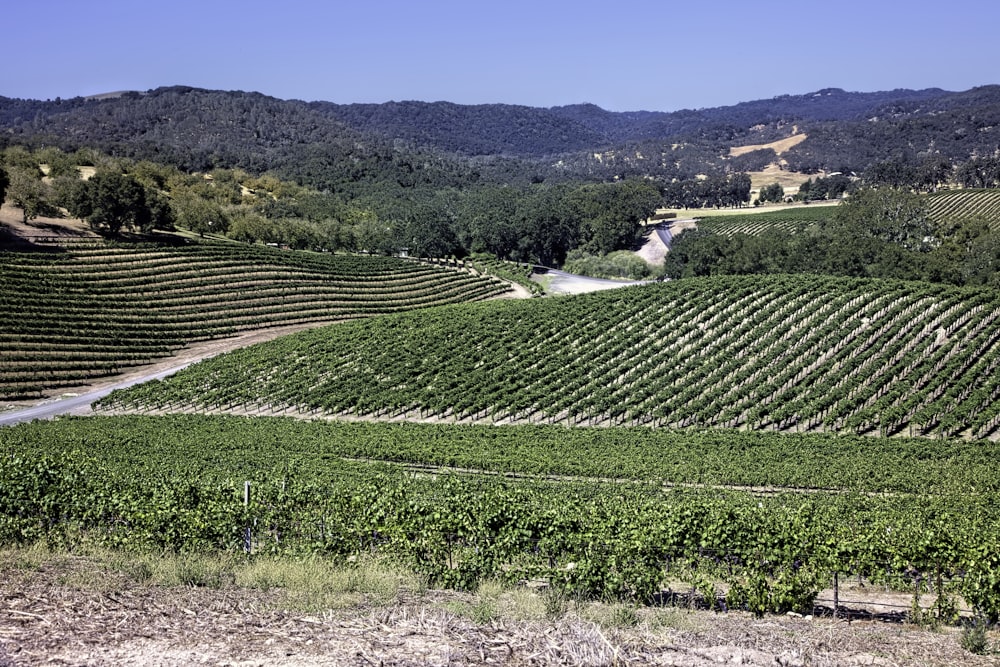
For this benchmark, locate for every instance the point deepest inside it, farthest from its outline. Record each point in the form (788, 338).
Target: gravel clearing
(71, 610)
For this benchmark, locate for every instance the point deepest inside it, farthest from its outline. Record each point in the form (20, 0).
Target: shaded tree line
(877, 233)
(729, 190)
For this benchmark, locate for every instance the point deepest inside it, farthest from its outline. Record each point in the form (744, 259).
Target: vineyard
(177, 483)
(785, 221)
(979, 205)
(89, 309)
(791, 354)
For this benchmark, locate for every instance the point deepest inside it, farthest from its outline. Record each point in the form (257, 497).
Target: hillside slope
(78, 309)
(784, 353)
(201, 129)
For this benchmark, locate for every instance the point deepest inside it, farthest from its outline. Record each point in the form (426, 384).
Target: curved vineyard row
(137, 303)
(177, 483)
(979, 205)
(776, 353)
(786, 221)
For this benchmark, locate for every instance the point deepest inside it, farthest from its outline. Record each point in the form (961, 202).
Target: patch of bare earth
(653, 250)
(17, 234)
(68, 613)
(780, 146)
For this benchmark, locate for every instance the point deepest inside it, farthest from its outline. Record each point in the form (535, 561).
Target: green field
(92, 309)
(789, 220)
(971, 205)
(777, 353)
(709, 437)
(948, 205)
(178, 483)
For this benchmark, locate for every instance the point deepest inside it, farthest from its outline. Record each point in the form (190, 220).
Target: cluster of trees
(115, 201)
(877, 232)
(979, 173)
(771, 193)
(534, 222)
(833, 186)
(729, 190)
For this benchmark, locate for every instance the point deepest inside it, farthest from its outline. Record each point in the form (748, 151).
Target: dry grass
(95, 607)
(773, 173)
(780, 146)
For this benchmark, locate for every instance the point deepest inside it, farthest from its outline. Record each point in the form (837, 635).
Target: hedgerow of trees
(877, 232)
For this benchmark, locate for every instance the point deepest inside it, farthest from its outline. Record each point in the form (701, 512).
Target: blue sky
(621, 55)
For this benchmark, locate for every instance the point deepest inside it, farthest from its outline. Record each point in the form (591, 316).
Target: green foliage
(771, 193)
(801, 352)
(96, 309)
(973, 638)
(876, 234)
(787, 221)
(886, 214)
(199, 214)
(616, 265)
(731, 190)
(116, 201)
(515, 272)
(27, 192)
(979, 172)
(611, 214)
(969, 206)
(826, 187)
(175, 484)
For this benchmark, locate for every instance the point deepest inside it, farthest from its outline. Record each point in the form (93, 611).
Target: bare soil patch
(780, 146)
(19, 235)
(75, 610)
(790, 181)
(653, 251)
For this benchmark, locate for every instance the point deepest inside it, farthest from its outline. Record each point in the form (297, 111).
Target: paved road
(77, 405)
(560, 282)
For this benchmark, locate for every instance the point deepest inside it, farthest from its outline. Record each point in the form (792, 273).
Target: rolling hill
(88, 308)
(785, 353)
(201, 129)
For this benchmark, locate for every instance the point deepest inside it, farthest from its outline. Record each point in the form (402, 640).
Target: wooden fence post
(247, 535)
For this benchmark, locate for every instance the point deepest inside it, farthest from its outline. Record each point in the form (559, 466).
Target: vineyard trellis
(972, 204)
(779, 353)
(786, 221)
(178, 483)
(95, 308)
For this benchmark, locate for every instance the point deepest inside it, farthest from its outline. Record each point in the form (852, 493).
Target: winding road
(77, 404)
(559, 282)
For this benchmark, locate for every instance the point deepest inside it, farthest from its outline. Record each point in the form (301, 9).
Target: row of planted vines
(811, 354)
(177, 483)
(92, 309)
(785, 221)
(979, 205)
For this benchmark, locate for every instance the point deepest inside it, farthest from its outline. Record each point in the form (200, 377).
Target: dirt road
(78, 402)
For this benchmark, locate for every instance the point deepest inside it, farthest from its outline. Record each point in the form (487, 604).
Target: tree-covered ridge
(785, 353)
(203, 129)
(882, 232)
(93, 309)
(532, 222)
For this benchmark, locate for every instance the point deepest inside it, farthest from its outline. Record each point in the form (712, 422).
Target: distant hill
(79, 308)
(201, 129)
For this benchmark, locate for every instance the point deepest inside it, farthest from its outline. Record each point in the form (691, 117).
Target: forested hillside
(202, 129)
